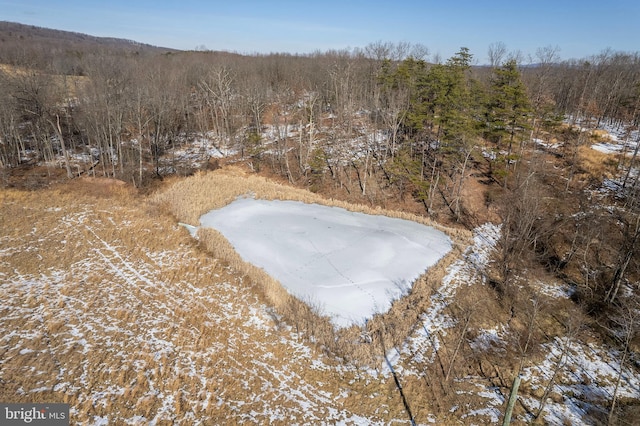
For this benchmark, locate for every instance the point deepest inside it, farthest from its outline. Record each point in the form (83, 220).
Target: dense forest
(386, 125)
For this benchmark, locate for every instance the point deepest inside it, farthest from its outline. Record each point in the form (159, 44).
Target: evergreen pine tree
(508, 111)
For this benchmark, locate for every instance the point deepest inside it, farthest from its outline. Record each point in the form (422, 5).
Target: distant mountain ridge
(63, 52)
(11, 32)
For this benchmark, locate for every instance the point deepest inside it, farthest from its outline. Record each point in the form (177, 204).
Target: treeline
(128, 108)
(377, 123)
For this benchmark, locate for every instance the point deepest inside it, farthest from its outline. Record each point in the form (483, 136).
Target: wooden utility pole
(512, 401)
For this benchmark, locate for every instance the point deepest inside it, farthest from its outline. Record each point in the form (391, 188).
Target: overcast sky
(578, 28)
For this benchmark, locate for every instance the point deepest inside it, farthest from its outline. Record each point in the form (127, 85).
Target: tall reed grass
(162, 320)
(188, 199)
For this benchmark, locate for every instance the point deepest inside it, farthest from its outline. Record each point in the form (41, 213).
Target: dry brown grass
(600, 135)
(188, 199)
(69, 83)
(109, 306)
(14, 70)
(596, 164)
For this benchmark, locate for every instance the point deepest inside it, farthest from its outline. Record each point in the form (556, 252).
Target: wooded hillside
(510, 143)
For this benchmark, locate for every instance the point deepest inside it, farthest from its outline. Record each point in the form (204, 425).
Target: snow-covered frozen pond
(351, 265)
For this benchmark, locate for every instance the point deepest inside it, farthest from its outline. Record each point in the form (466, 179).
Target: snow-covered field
(112, 308)
(351, 265)
(120, 316)
(616, 138)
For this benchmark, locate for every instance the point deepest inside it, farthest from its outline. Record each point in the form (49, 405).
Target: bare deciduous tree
(496, 53)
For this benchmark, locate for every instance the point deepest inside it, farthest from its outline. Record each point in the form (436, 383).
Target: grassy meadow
(109, 305)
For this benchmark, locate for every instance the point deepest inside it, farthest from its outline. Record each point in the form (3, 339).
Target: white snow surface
(464, 271)
(140, 335)
(350, 265)
(620, 137)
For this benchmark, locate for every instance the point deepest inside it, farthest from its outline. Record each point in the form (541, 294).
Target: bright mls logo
(36, 414)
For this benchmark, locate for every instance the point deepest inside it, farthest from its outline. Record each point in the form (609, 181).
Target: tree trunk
(617, 278)
(460, 340)
(622, 268)
(559, 364)
(459, 186)
(614, 398)
(633, 158)
(512, 401)
(58, 130)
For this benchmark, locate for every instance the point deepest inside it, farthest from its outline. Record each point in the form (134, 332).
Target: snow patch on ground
(554, 290)
(489, 340)
(548, 145)
(587, 380)
(351, 265)
(617, 137)
(494, 403)
(466, 271)
(120, 325)
(608, 147)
